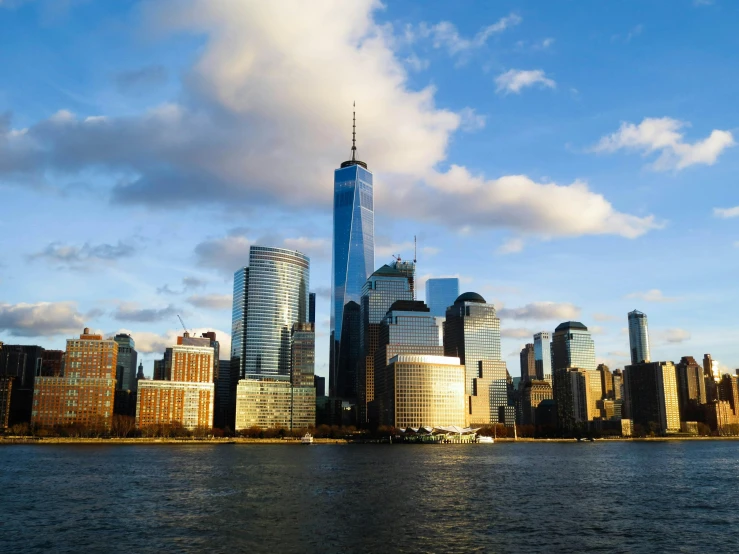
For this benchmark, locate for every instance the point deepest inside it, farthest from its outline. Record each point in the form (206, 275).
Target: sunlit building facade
(383, 288)
(85, 395)
(653, 397)
(638, 337)
(425, 391)
(572, 346)
(277, 298)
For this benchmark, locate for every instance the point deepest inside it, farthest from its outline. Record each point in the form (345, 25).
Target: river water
(523, 497)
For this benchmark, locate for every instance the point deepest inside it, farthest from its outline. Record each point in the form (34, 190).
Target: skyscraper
(353, 248)
(543, 356)
(441, 293)
(276, 298)
(472, 333)
(312, 307)
(638, 337)
(691, 388)
(127, 357)
(384, 287)
(528, 363)
(572, 346)
(238, 322)
(653, 397)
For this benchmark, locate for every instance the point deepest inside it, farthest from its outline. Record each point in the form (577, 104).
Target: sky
(566, 160)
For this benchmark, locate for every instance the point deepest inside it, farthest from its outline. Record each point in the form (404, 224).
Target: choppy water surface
(676, 496)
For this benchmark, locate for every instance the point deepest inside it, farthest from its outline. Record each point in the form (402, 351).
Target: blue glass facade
(638, 337)
(572, 346)
(543, 356)
(238, 320)
(277, 298)
(353, 249)
(440, 294)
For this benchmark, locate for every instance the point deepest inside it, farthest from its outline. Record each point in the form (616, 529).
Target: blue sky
(566, 160)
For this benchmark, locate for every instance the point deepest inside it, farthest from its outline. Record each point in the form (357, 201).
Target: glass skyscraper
(382, 289)
(238, 321)
(440, 294)
(572, 346)
(353, 249)
(472, 332)
(543, 356)
(276, 285)
(638, 337)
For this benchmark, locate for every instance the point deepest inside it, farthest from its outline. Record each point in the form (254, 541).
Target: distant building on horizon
(638, 337)
(441, 292)
(127, 360)
(543, 356)
(353, 257)
(528, 363)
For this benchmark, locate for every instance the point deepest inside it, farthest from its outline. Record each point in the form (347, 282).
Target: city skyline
(120, 267)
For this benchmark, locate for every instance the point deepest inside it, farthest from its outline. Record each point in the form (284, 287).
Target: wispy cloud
(129, 311)
(511, 246)
(211, 301)
(542, 311)
(726, 213)
(663, 136)
(79, 257)
(653, 295)
(446, 35)
(515, 80)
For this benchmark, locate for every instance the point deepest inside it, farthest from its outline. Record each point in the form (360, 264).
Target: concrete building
(606, 382)
(653, 397)
(85, 395)
(264, 403)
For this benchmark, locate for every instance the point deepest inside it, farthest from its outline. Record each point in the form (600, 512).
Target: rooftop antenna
(354, 131)
(415, 249)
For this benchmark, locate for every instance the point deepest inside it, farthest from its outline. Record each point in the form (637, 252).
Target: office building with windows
(691, 388)
(543, 356)
(572, 346)
(238, 321)
(383, 288)
(19, 367)
(127, 361)
(653, 397)
(528, 363)
(85, 395)
(638, 337)
(353, 258)
(441, 292)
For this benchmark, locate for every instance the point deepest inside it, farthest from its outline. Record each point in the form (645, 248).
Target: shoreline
(316, 441)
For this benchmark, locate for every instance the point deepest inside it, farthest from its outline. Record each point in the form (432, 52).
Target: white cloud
(542, 311)
(311, 247)
(470, 120)
(511, 246)
(663, 136)
(726, 213)
(445, 34)
(653, 295)
(604, 317)
(83, 257)
(513, 80)
(130, 311)
(517, 333)
(415, 63)
(211, 301)
(41, 319)
(256, 97)
(155, 343)
(672, 336)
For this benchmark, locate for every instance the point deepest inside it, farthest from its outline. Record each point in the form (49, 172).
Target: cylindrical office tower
(277, 298)
(638, 337)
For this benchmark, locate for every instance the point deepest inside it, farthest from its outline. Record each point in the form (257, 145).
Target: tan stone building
(533, 393)
(84, 396)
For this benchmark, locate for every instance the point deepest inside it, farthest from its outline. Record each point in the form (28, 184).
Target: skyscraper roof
(387, 271)
(470, 297)
(570, 325)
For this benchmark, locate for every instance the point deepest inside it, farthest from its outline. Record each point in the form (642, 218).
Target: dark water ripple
(599, 497)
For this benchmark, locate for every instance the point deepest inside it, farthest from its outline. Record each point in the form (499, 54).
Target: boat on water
(307, 439)
(482, 439)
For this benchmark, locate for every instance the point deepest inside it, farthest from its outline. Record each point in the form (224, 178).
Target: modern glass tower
(572, 346)
(638, 337)
(127, 357)
(440, 294)
(543, 356)
(353, 248)
(238, 321)
(276, 299)
(472, 333)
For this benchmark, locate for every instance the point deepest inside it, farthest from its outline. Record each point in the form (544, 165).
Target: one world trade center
(353, 263)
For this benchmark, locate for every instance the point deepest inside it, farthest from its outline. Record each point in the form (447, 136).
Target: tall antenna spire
(354, 131)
